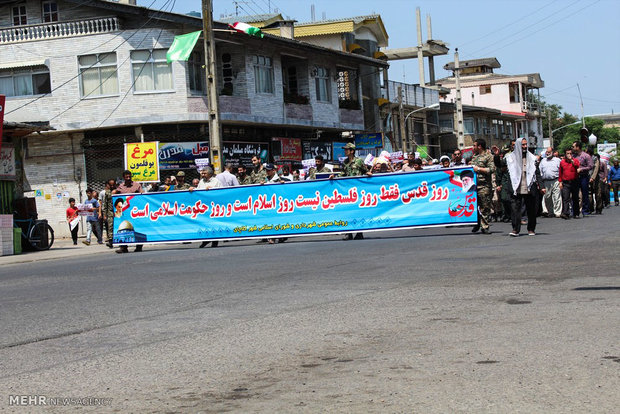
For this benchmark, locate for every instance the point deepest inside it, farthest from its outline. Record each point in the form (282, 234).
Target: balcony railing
(413, 95)
(58, 29)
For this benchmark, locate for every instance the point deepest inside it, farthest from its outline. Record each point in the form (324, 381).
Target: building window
(289, 78)
(27, 82)
(196, 73)
(446, 124)
(514, 92)
(151, 71)
(263, 74)
(98, 74)
(468, 125)
(484, 89)
(50, 11)
(321, 81)
(19, 15)
(227, 74)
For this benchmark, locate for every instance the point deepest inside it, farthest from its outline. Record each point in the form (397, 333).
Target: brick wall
(51, 165)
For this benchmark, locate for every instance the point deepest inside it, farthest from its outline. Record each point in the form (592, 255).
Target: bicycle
(39, 234)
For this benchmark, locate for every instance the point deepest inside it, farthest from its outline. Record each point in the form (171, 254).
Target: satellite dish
(592, 139)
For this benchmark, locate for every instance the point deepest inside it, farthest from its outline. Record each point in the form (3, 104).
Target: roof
(344, 25)
(20, 129)
(532, 79)
(256, 20)
(489, 62)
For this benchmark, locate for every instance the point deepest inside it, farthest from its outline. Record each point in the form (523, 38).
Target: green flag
(182, 46)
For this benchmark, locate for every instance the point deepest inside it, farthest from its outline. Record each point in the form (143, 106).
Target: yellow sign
(142, 159)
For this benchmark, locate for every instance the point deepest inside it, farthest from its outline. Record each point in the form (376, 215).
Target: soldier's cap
(180, 174)
(349, 145)
(270, 167)
(467, 173)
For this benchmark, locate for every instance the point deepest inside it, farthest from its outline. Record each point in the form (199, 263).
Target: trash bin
(17, 240)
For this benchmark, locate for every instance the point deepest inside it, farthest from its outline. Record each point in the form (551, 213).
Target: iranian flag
(247, 29)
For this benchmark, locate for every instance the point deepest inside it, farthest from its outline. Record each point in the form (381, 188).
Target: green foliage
(563, 138)
(594, 126)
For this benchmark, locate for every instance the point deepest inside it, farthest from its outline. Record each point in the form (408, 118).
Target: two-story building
(512, 95)
(96, 73)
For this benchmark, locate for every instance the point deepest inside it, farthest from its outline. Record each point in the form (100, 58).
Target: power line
(96, 62)
(511, 35)
(541, 29)
(507, 25)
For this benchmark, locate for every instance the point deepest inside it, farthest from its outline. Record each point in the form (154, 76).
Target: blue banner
(179, 155)
(442, 197)
(369, 140)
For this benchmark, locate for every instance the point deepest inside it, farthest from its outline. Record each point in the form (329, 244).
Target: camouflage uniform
(108, 212)
(354, 168)
(259, 177)
(313, 172)
(181, 187)
(485, 187)
(247, 180)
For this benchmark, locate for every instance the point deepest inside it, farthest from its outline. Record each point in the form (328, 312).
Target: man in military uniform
(353, 167)
(320, 168)
(108, 210)
(484, 167)
(242, 177)
(258, 175)
(181, 184)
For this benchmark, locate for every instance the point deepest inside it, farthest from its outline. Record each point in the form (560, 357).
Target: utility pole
(420, 53)
(215, 131)
(460, 132)
(401, 119)
(550, 131)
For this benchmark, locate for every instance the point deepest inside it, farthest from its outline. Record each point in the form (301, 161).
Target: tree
(594, 126)
(554, 116)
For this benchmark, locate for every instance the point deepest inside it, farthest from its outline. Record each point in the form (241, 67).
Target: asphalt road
(428, 320)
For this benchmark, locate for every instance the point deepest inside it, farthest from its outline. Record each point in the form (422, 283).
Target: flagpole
(215, 130)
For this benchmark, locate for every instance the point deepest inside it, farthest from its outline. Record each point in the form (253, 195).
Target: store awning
(24, 64)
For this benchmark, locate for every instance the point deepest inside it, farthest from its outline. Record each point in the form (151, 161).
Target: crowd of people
(513, 185)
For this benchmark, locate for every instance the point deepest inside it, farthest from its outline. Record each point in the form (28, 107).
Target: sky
(569, 42)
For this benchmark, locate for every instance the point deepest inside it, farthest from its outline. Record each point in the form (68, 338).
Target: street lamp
(402, 132)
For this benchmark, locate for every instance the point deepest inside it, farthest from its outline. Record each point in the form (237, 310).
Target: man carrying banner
(128, 187)
(258, 175)
(484, 167)
(319, 168)
(353, 167)
(242, 176)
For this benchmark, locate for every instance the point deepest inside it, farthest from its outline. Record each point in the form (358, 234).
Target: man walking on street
(128, 186)
(92, 221)
(242, 176)
(320, 168)
(613, 177)
(258, 174)
(550, 172)
(525, 180)
(227, 178)
(108, 210)
(353, 167)
(568, 179)
(181, 184)
(484, 167)
(585, 165)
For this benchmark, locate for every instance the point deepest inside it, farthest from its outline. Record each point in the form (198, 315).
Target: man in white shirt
(227, 178)
(207, 180)
(550, 172)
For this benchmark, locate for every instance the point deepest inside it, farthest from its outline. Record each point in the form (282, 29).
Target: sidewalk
(62, 248)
